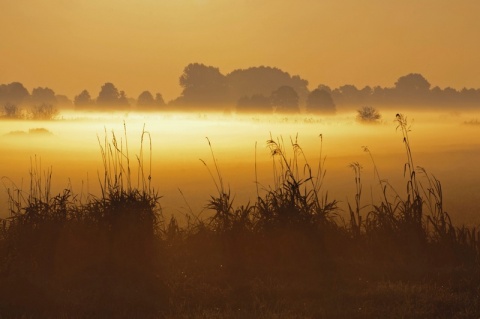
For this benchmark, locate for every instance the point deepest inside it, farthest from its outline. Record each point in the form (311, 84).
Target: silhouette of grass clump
(95, 259)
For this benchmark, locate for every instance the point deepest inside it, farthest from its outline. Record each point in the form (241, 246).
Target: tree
(285, 100)
(346, 94)
(44, 112)
(263, 80)
(320, 101)
(108, 96)
(14, 93)
(412, 82)
(368, 114)
(63, 100)
(324, 88)
(123, 100)
(145, 99)
(12, 111)
(257, 103)
(412, 88)
(159, 100)
(83, 100)
(202, 85)
(43, 96)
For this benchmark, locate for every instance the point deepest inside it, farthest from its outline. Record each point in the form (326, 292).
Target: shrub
(43, 112)
(368, 114)
(11, 111)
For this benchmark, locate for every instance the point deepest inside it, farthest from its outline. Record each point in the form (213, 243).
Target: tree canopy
(285, 100)
(83, 99)
(263, 80)
(109, 96)
(43, 96)
(202, 85)
(14, 93)
(257, 103)
(411, 83)
(320, 101)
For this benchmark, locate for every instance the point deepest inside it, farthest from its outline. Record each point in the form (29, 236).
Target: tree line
(255, 89)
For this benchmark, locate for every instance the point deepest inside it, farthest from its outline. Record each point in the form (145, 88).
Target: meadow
(213, 216)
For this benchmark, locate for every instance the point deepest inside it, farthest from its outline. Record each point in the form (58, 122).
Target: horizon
(94, 94)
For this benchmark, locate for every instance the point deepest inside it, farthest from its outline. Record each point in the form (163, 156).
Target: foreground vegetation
(290, 254)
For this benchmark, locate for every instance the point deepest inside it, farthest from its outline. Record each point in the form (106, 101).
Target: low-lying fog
(446, 145)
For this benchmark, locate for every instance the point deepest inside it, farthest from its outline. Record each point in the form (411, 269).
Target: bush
(368, 114)
(11, 111)
(44, 112)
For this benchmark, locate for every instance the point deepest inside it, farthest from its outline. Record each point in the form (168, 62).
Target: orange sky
(71, 45)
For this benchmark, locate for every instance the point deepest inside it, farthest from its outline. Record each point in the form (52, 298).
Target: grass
(289, 254)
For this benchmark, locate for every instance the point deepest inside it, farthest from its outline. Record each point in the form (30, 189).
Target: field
(277, 244)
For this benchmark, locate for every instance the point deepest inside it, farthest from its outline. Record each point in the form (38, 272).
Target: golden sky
(71, 45)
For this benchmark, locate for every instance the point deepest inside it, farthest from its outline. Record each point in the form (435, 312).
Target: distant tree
(159, 100)
(202, 85)
(263, 80)
(412, 82)
(470, 96)
(257, 103)
(366, 94)
(368, 114)
(14, 93)
(145, 99)
(411, 88)
(346, 94)
(83, 100)
(11, 111)
(63, 100)
(380, 94)
(109, 95)
(44, 112)
(324, 88)
(123, 100)
(447, 96)
(43, 96)
(285, 100)
(320, 101)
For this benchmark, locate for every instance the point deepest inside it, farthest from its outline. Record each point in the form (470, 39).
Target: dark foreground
(288, 255)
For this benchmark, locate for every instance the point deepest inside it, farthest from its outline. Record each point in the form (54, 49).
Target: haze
(441, 143)
(145, 44)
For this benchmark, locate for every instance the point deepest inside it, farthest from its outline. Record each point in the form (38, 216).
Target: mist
(442, 143)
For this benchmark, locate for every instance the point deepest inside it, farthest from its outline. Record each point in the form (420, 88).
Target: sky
(72, 45)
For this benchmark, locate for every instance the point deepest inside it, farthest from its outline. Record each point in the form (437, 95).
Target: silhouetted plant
(226, 217)
(356, 219)
(12, 111)
(368, 114)
(44, 112)
(295, 199)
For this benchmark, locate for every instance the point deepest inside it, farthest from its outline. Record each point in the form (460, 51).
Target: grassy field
(289, 254)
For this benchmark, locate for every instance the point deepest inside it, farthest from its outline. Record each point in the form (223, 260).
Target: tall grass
(288, 252)
(296, 197)
(100, 258)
